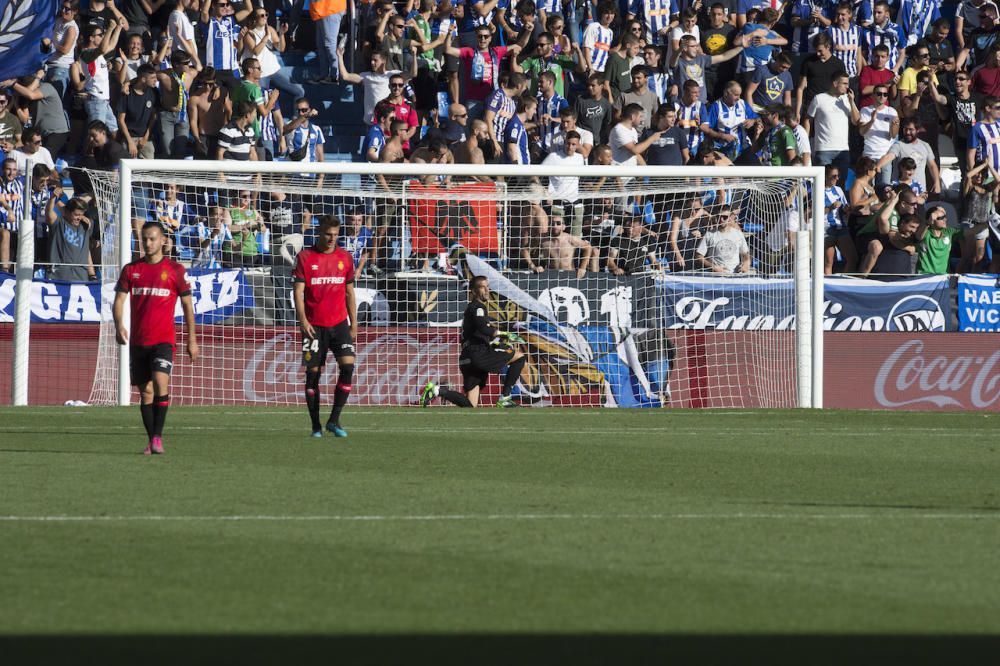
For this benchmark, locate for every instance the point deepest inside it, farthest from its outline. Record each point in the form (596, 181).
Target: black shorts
(477, 362)
(144, 361)
(328, 338)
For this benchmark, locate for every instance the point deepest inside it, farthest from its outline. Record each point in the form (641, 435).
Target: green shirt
(619, 74)
(250, 92)
(246, 238)
(535, 66)
(934, 251)
(871, 227)
(779, 140)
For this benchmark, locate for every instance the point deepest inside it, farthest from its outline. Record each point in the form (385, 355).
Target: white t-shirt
(877, 140)
(831, 122)
(622, 136)
(376, 87)
(724, 247)
(179, 27)
(564, 187)
(802, 139)
(40, 156)
(559, 139)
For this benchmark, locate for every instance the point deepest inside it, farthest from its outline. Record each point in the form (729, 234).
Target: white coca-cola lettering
(908, 377)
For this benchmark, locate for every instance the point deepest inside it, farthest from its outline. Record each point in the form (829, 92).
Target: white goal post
(652, 337)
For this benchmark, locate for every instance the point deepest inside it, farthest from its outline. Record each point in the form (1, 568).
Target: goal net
(631, 287)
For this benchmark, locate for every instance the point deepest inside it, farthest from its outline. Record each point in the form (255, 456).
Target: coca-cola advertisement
(917, 371)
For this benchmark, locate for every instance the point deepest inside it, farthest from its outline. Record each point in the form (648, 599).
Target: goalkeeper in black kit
(485, 350)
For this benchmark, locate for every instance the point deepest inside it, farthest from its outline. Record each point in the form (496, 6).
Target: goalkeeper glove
(512, 338)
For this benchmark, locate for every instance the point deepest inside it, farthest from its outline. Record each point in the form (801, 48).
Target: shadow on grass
(506, 649)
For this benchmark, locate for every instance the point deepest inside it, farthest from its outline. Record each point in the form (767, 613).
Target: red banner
(441, 217)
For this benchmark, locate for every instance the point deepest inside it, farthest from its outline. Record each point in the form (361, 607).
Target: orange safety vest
(322, 8)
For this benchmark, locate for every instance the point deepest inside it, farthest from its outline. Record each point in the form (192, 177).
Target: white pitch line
(506, 517)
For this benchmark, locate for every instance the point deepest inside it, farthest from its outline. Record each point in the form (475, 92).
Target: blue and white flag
(23, 26)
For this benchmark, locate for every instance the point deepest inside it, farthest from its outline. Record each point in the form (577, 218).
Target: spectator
(515, 136)
(936, 240)
(658, 80)
(174, 87)
(630, 250)
(374, 83)
(138, 14)
(236, 139)
(688, 26)
(209, 106)
(691, 113)
(549, 105)
(69, 245)
(593, 110)
(640, 94)
(803, 146)
(46, 205)
(564, 191)
(137, 114)
(776, 144)
(871, 239)
(48, 116)
(979, 209)
(817, 74)
(90, 75)
(942, 55)
(716, 40)
(899, 247)
(967, 19)
(263, 42)
(375, 140)
(907, 167)
(965, 107)
(544, 59)
(171, 212)
(727, 122)
(927, 174)
(305, 140)
(501, 107)
(929, 107)
(481, 66)
(220, 29)
(915, 18)
(771, 84)
(126, 65)
(568, 123)
(876, 73)
(598, 37)
(31, 148)
(837, 236)
(101, 153)
(180, 30)
(356, 239)
(671, 148)
(560, 250)
(100, 14)
(830, 117)
(691, 65)
(986, 79)
(862, 196)
(471, 151)
(625, 145)
(11, 212)
(454, 130)
(392, 40)
(246, 225)
(65, 33)
(403, 110)
(878, 124)
(723, 248)
(618, 73)
(249, 90)
(847, 39)
(215, 240)
(981, 39)
(685, 234)
(759, 42)
(883, 32)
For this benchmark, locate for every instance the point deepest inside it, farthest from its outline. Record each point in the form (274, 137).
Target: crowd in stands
(872, 90)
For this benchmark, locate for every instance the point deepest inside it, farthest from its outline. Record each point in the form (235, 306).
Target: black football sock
(513, 374)
(454, 397)
(160, 405)
(147, 418)
(312, 398)
(342, 393)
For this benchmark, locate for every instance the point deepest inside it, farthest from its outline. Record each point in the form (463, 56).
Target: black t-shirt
(666, 151)
(893, 260)
(595, 116)
(138, 109)
(820, 75)
(476, 327)
(632, 253)
(96, 19)
(964, 113)
(133, 11)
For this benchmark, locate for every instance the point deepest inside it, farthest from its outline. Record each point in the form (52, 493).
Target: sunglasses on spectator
(938, 218)
(396, 85)
(881, 94)
(304, 109)
(68, 9)
(923, 55)
(484, 36)
(399, 25)
(262, 15)
(460, 115)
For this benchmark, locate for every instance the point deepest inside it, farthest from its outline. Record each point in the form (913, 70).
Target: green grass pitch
(444, 521)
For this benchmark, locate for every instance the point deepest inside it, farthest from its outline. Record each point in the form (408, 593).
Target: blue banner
(217, 295)
(23, 26)
(978, 303)
(749, 304)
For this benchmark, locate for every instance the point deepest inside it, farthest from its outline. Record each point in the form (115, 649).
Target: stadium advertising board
(918, 304)
(217, 295)
(978, 303)
(920, 371)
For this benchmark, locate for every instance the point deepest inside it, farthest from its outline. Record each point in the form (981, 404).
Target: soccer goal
(631, 287)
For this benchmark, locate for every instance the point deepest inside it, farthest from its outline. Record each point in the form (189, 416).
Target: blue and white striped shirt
(598, 39)
(889, 35)
(656, 16)
(305, 134)
(915, 18)
(690, 117)
(220, 43)
(549, 6)
(849, 37)
(550, 107)
(835, 216)
(659, 83)
(985, 138)
(504, 109)
(211, 256)
(39, 202)
(730, 119)
(13, 193)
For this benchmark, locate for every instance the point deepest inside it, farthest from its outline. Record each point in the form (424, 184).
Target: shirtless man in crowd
(560, 248)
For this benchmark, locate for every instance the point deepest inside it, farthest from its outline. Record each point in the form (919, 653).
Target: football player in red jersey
(328, 315)
(152, 285)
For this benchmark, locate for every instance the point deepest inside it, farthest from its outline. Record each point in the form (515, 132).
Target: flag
(23, 26)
